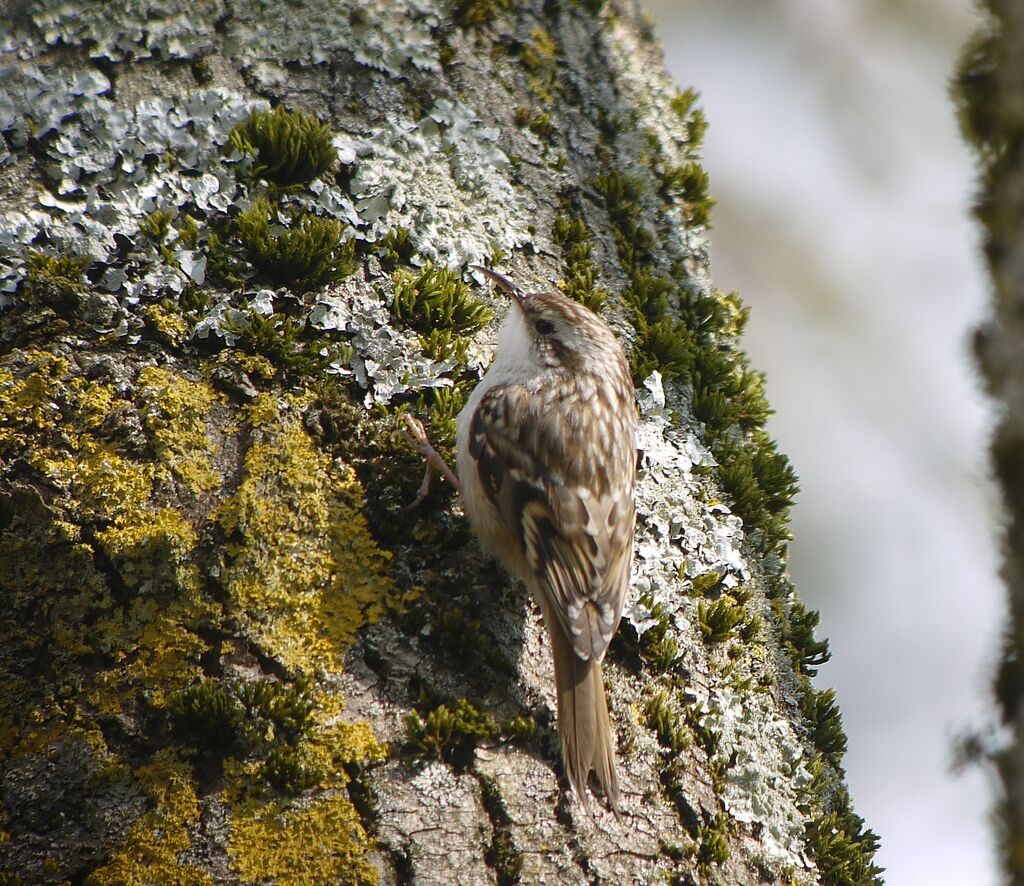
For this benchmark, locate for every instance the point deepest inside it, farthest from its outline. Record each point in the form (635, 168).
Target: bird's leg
(416, 436)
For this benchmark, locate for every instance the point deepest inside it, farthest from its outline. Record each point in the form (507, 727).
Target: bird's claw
(416, 436)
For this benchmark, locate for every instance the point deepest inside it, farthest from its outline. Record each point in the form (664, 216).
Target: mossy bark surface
(233, 251)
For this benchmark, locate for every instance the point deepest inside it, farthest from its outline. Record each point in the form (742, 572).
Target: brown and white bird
(546, 451)
(546, 457)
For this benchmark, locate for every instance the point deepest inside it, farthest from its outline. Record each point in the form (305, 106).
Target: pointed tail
(583, 722)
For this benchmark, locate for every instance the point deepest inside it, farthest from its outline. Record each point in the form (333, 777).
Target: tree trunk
(229, 651)
(990, 90)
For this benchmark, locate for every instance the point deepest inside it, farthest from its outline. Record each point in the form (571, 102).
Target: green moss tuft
(311, 251)
(672, 734)
(436, 298)
(690, 182)
(289, 148)
(207, 717)
(396, 247)
(718, 620)
(826, 723)
(473, 13)
(55, 279)
(843, 850)
(571, 233)
(285, 770)
(450, 733)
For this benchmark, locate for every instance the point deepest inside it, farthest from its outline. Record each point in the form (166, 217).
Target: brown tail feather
(583, 722)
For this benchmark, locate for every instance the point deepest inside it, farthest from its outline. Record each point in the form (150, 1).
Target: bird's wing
(574, 530)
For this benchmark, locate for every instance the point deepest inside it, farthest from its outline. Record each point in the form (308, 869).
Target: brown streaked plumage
(546, 460)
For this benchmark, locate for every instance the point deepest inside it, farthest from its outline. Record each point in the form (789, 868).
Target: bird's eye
(544, 327)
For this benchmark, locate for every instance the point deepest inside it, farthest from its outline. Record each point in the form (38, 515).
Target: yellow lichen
(151, 852)
(168, 326)
(113, 570)
(176, 414)
(321, 842)
(27, 404)
(304, 573)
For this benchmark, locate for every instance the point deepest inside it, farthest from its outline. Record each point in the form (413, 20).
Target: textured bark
(229, 654)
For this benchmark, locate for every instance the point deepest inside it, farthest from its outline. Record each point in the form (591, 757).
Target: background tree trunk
(229, 653)
(990, 91)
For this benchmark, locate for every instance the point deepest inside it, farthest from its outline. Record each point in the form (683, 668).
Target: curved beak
(503, 282)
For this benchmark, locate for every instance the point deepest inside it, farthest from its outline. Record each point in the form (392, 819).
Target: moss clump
(826, 723)
(684, 105)
(690, 182)
(672, 734)
(56, 280)
(842, 849)
(806, 652)
(288, 148)
(436, 298)
(450, 733)
(312, 250)
(538, 123)
(718, 620)
(207, 716)
(473, 13)
(540, 58)
(713, 843)
(571, 233)
(396, 247)
(502, 855)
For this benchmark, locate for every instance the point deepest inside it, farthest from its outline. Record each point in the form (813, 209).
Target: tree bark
(990, 91)
(230, 653)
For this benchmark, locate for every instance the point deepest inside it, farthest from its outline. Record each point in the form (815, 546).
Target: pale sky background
(843, 219)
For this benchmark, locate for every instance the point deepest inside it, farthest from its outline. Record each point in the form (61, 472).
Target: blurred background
(843, 219)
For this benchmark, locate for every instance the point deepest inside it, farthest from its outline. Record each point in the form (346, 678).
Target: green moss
(288, 343)
(435, 298)
(473, 13)
(521, 729)
(450, 733)
(55, 279)
(713, 843)
(704, 583)
(672, 734)
(826, 724)
(571, 233)
(285, 770)
(539, 57)
(312, 250)
(444, 344)
(396, 247)
(538, 123)
(718, 620)
(442, 406)
(806, 652)
(842, 849)
(206, 716)
(684, 104)
(690, 182)
(288, 709)
(502, 855)
(289, 148)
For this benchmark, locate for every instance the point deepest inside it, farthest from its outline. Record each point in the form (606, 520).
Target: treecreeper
(546, 459)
